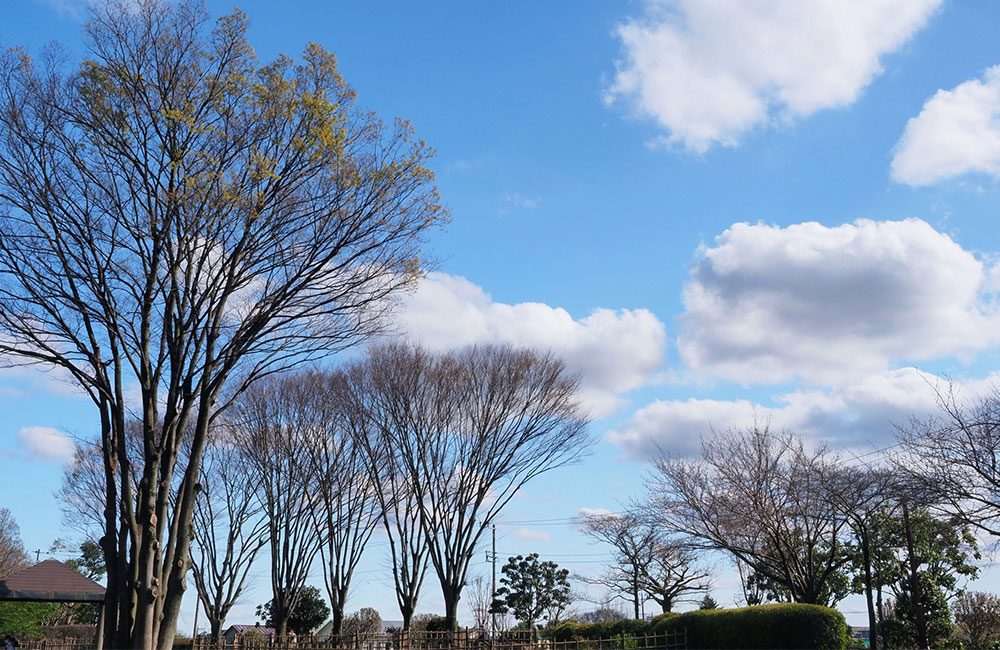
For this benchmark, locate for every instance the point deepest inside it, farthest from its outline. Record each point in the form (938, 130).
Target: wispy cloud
(514, 201)
(535, 535)
(46, 443)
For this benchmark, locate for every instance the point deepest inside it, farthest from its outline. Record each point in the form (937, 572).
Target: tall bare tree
(401, 516)
(760, 496)
(470, 428)
(273, 423)
(177, 220)
(349, 505)
(229, 529)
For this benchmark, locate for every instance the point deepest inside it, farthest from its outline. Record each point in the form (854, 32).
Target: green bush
(788, 626)
(629, 627)
(438, 624)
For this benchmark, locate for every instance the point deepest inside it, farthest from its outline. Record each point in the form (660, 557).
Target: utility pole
(493, 624)
(194, 632)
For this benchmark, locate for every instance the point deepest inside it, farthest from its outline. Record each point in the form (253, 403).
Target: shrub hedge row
(786, 626)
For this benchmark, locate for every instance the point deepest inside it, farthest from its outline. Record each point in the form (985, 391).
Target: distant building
(234, 632)
(323, 632)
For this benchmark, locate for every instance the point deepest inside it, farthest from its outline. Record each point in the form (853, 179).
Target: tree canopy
(531, 589)
(178, 219)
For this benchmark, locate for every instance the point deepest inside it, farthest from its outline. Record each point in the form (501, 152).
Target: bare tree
(649, 563)
(672, 573)
(470, 428)
(229, 529)
(480, 599)
(12, 555)
(177, 220)
(349, 506)
(82, 494)
(273, 423)
(761, 497)
(953, 456)
(401, 516)
(632, 544)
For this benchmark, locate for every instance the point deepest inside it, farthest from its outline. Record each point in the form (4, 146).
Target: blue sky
(711, 210)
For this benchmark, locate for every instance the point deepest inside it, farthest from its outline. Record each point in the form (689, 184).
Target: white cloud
(708, 71)
(860, 416)
(614, 351)
(677, 427)
(767, 304)
(534, 535)
(956, 132)
(46, 443)
(597, 512)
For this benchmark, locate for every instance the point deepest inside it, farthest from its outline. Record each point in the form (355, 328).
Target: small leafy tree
(531, 589)
(943, 554)
(707, 602)
(308, 613)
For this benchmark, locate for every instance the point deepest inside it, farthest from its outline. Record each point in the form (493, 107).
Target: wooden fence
(457, 640)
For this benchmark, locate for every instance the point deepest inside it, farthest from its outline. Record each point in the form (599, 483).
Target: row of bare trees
(426, 447)
(429, 445)
(806, 524)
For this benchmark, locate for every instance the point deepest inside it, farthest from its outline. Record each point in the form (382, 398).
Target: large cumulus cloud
(956, 132)
(859, 417)
(708, 71)
(767, 304)
(614, 350)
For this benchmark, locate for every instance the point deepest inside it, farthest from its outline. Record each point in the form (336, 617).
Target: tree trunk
(915, 595)
(872, 621)
(452, 594)
(635, 591)
(337, 618)
(406, 611)
(176, 583)
(215, 623)
(878, 607)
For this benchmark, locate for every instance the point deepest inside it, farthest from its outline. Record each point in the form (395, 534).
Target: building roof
(240, 629)
(52, 581)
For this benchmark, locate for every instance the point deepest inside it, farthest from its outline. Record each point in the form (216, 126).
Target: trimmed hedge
(583, 631)
(786, 626)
